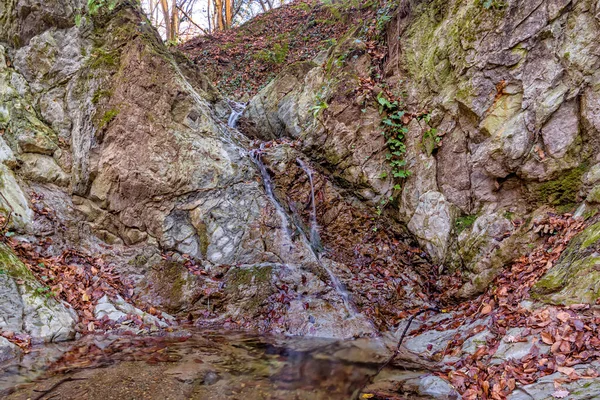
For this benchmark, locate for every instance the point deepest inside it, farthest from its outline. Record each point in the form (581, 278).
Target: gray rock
(118, 308)
(24, 306)
(432, 223)
(436, 387)
(545, 387)
(561, 130)
(511, 348)
(8, 350)
(43, 169)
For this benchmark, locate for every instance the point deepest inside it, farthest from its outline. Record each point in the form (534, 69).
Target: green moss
(138, 261)
(257, 277)
(107, 117)
(253, 275)
(203, 237)
(561, 191)
(100, 94)
(172, 276)
(13, 266)
(576, 276)
(463, 223)
(277, 54)
(102, 58)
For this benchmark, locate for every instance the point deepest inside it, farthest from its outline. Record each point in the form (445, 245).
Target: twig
(397, 351)
(56, 385)
(192, 21)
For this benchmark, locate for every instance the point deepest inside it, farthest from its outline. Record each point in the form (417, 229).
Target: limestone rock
(25, 307)
(8, 350)
(43, 169)
(14, 200)
(118, 310)
(561, 130)
(512, 348)
(432, 223)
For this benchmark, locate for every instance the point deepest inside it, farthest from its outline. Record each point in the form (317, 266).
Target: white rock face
(119, 308)
(8, 350)
(24, 308)
(45, 319)
(432, 223)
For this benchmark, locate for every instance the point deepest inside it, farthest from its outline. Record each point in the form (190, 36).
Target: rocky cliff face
(116, 147)
(512, 91)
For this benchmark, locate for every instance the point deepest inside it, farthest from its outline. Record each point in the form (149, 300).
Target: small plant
(276, 55)
(394, 130)
(317, 108)
(465, 222)
(44, 291)
(431, 139)
(96, 5)
(320, 103)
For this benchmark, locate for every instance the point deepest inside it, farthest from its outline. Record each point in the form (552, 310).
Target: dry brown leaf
(547, 338)
(563, 316)
(487, 308)
(565, 370)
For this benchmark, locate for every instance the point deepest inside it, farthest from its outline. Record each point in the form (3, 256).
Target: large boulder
(28, 307)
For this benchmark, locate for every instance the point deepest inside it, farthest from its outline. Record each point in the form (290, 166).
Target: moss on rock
(576, 277)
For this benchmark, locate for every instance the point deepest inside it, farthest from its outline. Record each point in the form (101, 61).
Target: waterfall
(237, 109)
(287, 223)
(315, 240)
(256, 155)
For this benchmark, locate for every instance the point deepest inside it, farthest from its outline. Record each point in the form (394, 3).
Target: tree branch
(192, 21)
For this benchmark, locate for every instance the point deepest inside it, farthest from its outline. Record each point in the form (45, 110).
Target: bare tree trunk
(174, 21)
(228, 13)
(208, 15)
(262, 4)
(220, 23)
(165, 10)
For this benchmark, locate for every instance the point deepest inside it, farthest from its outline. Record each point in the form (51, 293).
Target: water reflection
(191, 365)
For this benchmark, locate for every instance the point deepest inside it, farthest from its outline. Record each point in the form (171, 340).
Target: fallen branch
(396, 352)
(192, 21)
(56, 385)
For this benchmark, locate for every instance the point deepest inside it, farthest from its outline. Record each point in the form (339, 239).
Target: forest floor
(242, 60)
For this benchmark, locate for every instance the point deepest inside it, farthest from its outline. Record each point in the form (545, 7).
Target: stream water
(193, 365)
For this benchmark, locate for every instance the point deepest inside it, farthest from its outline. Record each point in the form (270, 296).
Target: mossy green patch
(254, 280)
(560, 192)
(576, 276)
(100, 94)
(107, 117)
(462, 223)
(102, 58)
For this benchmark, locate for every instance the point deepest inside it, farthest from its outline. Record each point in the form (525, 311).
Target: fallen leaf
(563, 316)
(565, 370)
(547, 338)
(486, 309)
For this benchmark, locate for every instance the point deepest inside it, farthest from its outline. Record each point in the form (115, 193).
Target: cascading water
(256, 155)
(315, 240)
(237, 109)
(287, 224)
